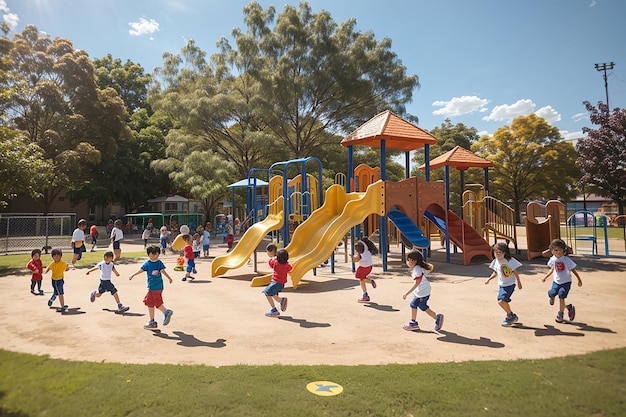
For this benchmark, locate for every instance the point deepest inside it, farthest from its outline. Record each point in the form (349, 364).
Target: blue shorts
(205, 247)
(163, 243)
(191, 264)
(421, 303)
(274, 288)
(57, 286)
(562, 290)
(106, 285)
(116, 244)
(504, 293)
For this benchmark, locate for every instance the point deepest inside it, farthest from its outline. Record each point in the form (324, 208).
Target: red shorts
(153, 298)
(363, 271)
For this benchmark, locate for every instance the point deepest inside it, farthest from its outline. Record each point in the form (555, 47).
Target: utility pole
(605, 67)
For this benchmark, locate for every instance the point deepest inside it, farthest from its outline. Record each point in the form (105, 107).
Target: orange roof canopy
(459, 158)
(395, 131)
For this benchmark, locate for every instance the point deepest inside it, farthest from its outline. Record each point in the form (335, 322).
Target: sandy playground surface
(220, 321)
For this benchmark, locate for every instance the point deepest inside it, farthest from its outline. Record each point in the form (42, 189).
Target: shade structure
(459, 158)
(395, 131)
(244, 183)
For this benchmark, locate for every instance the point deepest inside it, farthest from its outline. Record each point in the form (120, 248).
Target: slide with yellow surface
(315, 239)
(247, 244)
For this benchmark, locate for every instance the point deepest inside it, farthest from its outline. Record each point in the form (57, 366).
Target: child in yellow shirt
(58, 268)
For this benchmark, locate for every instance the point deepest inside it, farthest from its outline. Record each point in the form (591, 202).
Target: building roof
(395, 131)
(169, 199)
(459, 158)
(244, 183)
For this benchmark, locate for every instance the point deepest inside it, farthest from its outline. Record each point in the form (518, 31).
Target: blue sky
(480, 62)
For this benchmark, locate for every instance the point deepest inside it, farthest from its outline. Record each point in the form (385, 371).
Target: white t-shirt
(423, 289)
(119, 235)
(562, 269)
(504, 270)
(78, 235)
(105, 270)
(366, 258)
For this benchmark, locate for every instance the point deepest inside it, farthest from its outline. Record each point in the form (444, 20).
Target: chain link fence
(25, 232)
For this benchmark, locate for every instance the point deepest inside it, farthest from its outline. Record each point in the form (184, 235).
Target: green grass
(587, 385)
(611, 232)
(13, 264)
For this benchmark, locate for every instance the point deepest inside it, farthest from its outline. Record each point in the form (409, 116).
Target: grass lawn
(588, 385)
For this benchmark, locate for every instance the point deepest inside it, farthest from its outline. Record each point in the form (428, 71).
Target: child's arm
(580, 282)
(492, 276)
(164, 272)
(519, 282)
(135, 274)
(117, 274)
(95, 268)
(415, 284)
(549, 273)
(356, 258)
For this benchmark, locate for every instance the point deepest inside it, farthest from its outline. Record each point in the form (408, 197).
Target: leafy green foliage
(603, 154)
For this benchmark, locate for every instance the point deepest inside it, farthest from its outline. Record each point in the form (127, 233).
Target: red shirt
(188, 252)
(280, 271)
(37, 267)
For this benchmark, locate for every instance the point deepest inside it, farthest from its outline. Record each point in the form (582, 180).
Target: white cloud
(143, 27)
(580, 117)
(593, 3)
(9, 18)
(460, 105)
(549, 114)
(572, 135)
(510, 112)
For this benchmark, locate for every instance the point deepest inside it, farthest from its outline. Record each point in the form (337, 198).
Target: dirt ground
(220, 321)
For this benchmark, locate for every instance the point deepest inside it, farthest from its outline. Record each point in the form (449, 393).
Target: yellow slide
(247, 244)
(316, 238)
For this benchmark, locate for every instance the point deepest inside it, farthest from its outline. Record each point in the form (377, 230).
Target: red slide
(463, 235)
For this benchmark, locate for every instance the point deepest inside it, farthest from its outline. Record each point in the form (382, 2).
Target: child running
(279, 263)
(58, 268)
(561, 268)
(364, 258)
(155, 269)
(189, 257)
(421, 291)
(106, 267)
(505, 268)
(36, 267)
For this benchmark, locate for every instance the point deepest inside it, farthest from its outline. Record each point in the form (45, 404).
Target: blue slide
(409, 229)
(440, 223)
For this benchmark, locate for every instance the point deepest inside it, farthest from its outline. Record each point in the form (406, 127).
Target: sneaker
(373, 283)
(151, 325)
(551, 301)
(184, 278)
(40, 292)
(191, 278)
(283, 304)
(506, 322)
(121, 308)
(92, 296)
(514, 318)
(438, 322)
(571, 312)
(64, 308)
(51, 300)
(272, 313)
(364, 299)
(412, 326)
(559, 317)
(194, 271)
(167, 315)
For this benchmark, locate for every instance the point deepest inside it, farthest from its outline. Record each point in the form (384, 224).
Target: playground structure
(543, 224)
(366, 203)
(490, 215)
(585, 220)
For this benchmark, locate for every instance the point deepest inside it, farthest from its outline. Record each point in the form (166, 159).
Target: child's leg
(431, 313)
(117, 298)
(413, 314)
(39, 285)
(32, 285)
(505, 306)
(270, 299)
(363, 285)
(151, 312)
(561, 305)
(62, 299)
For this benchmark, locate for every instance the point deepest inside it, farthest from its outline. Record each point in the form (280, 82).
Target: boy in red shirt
(189, 257)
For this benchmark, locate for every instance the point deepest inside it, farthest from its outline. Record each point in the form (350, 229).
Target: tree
(603, 154)
(529, 162)
(128, 80)
(54, 100)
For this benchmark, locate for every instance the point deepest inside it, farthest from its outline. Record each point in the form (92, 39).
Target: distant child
(58, 268)
(145, 236)
(421, 291)
(505, 268)
(364, 258)
(93, 232)
(116, 236)
(196, 243)
(106, 267)
(78, 241)
(206, 240)
(189, 257)
(230, 237)
(163, 238)
(155, 269)
(279, 263)
(36, 267)
(561, 268)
